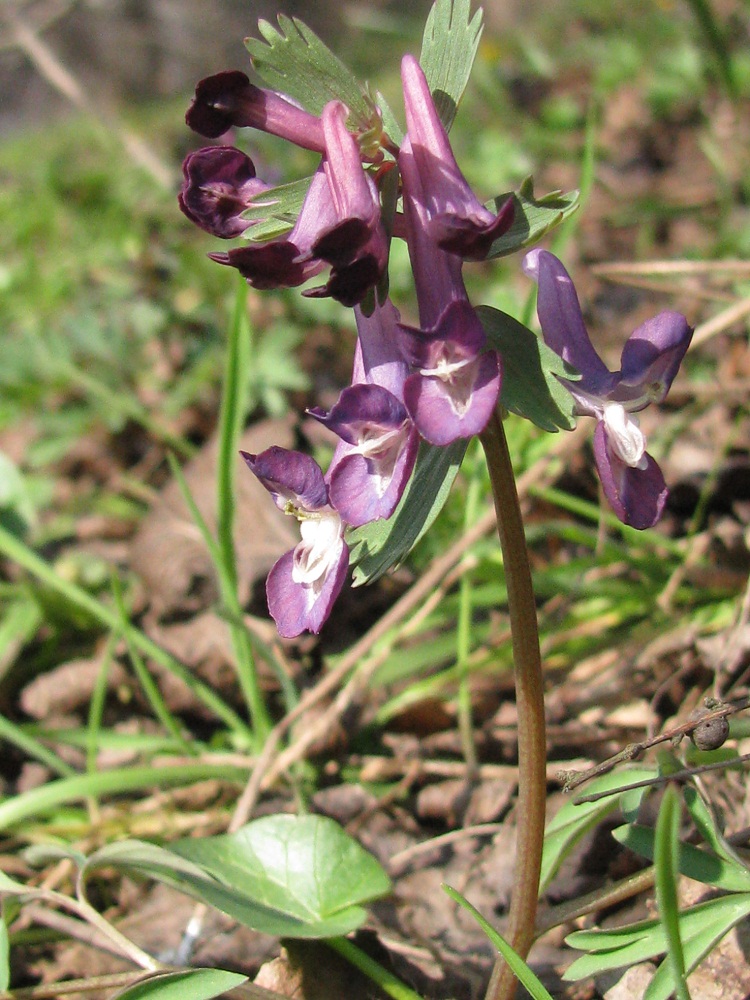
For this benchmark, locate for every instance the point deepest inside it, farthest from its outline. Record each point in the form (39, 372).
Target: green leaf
(282, 875)
(306, 866)
(666, 853)
(378, 546)
(13, 888)
(4, 957)
(696, 947)
(534, 217)
(523, 973)
(40, 855)
(293, 60)
(625, 946)
(190, 984)
(706, 824)
(275, 211)
(573, 820)
(530, 387)
(703, 866)
(449, 47)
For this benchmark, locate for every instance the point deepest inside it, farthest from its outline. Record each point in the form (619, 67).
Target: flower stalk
(532, 778)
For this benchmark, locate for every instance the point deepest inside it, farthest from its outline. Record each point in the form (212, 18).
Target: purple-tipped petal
(444, 411)
(290, 477)
(219, 184)
(270, 265)
(286, 262)
(652, 356)
(378, 357)
(304, 583)
(298, 607)
(636, 495)
(228, 100)
(457, 221)
(376, 456)
(437, 274)
(562, 323)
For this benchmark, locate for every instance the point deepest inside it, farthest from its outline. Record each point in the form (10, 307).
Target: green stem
(532, 778)
(359, 959)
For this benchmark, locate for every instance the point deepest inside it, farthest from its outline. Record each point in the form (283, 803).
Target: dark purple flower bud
(632, 480)
(354, 243)
(456, 219)
(303, 585)
(286, 262)
(228, 100)
(339, 224)
(219, 185)
(372, 466)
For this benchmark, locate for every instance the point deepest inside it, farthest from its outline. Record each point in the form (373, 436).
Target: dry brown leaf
(168, 552)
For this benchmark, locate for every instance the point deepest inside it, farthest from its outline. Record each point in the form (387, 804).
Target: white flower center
(319, 549)
(446, 369)
(625, 436)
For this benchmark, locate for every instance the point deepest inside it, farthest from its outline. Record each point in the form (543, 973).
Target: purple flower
(456, 219)
(303, 585)
(632, 481)
(219, 185)
(376, 456)
(379, 442)
(339, 224)
(228, 100)
(456, 384)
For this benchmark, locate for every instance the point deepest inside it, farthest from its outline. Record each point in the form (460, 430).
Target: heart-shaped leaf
(291, 876)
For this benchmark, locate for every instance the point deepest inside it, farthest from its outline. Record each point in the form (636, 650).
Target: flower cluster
(438, 381)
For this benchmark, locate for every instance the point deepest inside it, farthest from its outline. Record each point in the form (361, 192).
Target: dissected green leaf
(695, 949)
(449, 47)
(293, 60)
(276, 210)
(187, 984)
(525, 976)
(573, 820)
(378, 546)
(39, 855)
(694, 862)
(530, 385)
(534, 217)
(169, 868)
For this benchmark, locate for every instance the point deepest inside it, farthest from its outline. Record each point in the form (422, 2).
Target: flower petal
(458, 222)
(636, 495)
(562, 323)
(652, 355)
(219, 184)
(228, 100)
(289, 476)
(298, 607)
